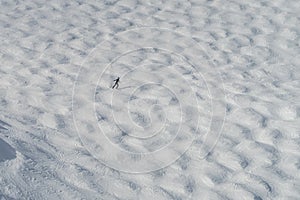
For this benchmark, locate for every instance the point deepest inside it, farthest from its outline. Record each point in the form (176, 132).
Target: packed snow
(208, 105)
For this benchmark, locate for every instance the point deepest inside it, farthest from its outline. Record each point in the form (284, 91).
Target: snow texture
(208, 105)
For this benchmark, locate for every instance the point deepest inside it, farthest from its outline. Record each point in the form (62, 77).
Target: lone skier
(116, 83)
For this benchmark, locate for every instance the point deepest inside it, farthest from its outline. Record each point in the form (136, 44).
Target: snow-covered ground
(208, 105)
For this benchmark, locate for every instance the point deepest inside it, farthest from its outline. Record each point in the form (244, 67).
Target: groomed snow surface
(208, 105)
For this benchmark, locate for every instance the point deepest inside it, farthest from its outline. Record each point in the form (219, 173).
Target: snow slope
(207, 108)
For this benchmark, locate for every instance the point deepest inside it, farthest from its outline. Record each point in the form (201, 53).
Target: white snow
(207, 107)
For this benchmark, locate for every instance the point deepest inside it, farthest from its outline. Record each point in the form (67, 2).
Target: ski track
(254, 46)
